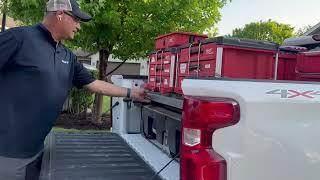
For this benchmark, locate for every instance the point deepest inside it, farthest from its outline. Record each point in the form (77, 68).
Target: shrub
(80, 99)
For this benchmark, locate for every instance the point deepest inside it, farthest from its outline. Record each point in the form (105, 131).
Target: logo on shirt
(65, 62)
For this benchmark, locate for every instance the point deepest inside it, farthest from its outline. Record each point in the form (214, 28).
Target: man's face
(70, 25)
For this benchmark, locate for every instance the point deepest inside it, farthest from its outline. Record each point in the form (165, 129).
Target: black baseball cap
(68, 5)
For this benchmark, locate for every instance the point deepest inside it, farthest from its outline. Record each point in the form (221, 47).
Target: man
(36, 73)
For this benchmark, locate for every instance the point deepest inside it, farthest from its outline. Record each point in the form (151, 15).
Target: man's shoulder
(21, 31)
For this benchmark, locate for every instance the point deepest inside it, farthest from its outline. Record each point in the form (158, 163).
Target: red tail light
(201, 117)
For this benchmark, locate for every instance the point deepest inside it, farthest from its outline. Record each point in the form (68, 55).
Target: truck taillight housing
(201, 117)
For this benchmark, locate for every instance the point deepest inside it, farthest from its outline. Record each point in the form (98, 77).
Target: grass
(63, 130)
(106, 104)
(105, 108)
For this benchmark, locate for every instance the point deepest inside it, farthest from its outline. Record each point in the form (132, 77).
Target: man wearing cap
(36, 73)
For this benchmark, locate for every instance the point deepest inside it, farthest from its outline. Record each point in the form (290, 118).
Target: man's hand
(138, 94)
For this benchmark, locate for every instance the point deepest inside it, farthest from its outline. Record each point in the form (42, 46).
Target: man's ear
(59, 15)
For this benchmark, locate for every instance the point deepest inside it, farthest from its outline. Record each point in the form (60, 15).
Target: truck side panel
(276, 137)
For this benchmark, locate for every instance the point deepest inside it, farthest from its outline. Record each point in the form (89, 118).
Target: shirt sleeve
(8, 47)
(81, 76)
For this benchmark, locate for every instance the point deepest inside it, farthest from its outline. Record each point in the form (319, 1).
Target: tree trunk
(97, 105)
(4, 16)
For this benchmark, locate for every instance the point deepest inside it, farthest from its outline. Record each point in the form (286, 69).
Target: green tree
(3, 11)
(127, 28)
(303, 30)
(265, 30)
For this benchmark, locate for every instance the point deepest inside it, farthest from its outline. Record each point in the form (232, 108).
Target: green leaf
(129, 27)
(265, 30)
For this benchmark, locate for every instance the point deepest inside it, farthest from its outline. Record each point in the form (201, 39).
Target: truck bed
(85, 156)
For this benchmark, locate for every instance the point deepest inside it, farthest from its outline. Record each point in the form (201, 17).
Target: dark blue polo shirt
(36, 75)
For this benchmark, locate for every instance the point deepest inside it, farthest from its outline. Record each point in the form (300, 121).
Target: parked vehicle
(222, 109)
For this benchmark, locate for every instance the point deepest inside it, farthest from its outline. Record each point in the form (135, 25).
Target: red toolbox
(153, 83)
(166, 85)
(308, 66)
(308, 62)
(159, 57)
(200, 51)
(287, 66)
(287, 62)
(162, 71)
(163, 84)
(233, 57)
(177, 39)
(163, 56)
(194, 68)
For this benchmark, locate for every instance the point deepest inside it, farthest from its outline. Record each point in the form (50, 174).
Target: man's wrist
(128, 92)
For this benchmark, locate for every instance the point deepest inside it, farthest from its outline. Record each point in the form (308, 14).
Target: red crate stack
(308, 66)
(287, 62)
(195, 60)
(227, 57)
(177, 39)
(180, 55)
(162, 63)
(162, 70)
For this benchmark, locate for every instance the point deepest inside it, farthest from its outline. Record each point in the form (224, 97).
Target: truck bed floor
(83, 156)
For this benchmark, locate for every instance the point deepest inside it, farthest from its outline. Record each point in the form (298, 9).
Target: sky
(297, 13)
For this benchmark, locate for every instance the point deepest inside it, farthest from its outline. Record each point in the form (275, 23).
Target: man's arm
(8, 46)
(109, 89)
(82, 78)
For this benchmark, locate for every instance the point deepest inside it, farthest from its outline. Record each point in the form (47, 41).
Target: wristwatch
(128, 92)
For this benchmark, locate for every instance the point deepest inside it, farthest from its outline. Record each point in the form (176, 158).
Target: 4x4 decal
(288, 93)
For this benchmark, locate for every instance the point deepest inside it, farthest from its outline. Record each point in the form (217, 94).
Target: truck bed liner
(85, 156)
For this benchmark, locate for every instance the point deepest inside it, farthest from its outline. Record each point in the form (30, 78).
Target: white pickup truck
(250, 130)
(222, 129)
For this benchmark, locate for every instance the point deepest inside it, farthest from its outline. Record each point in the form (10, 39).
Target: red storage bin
(308, 62)
(308, 66)
(164, 84)
(153, 84)
(287, 66)
(164, 56)
(194, 68)
(199, 51)
(154, 69)
(233, 57)
(247, 63)
(153, 58)
(177, 39)
(242, 58)
(168, 69)
(167, 84)
(157, 57)
(162, 69)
